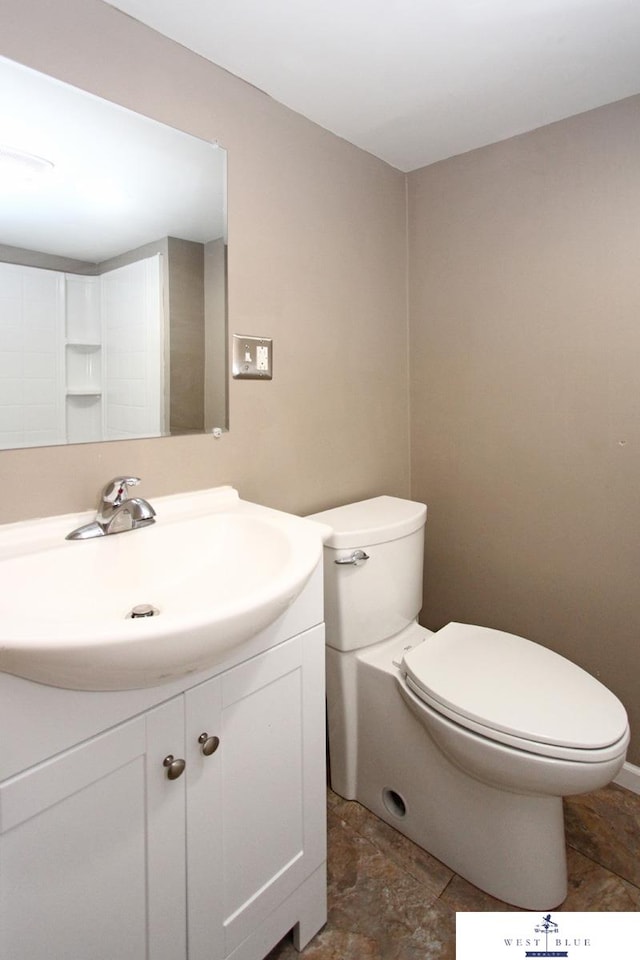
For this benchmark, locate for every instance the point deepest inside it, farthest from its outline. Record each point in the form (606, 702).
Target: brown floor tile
(348, 810)
(593, 887)
(605, 826)
(371, 895)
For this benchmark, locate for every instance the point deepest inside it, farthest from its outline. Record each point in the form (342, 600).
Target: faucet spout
(130, 515)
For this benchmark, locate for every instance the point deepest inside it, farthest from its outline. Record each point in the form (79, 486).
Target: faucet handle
(115, 492)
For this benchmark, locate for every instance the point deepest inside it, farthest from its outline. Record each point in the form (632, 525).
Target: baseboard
(629, 777)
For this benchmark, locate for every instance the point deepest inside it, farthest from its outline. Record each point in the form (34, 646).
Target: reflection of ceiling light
(21, 167)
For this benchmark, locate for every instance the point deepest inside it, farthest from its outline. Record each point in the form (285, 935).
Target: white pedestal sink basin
(216, 568)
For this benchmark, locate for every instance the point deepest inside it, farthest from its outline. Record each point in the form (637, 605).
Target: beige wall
(316, 260)
(525, 401)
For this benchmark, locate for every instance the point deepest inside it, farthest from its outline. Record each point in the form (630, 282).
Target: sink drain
(142, 610)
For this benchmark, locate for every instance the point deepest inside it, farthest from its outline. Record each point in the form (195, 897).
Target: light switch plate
(252, 358)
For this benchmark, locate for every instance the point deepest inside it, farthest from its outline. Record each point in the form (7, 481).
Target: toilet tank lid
(372, 521)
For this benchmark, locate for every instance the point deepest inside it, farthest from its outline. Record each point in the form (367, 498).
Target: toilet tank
(373, 599)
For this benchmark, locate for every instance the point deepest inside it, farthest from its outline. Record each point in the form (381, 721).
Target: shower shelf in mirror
(83, 416)
(84, 368)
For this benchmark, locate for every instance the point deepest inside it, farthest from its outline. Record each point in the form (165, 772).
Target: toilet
(465, 740)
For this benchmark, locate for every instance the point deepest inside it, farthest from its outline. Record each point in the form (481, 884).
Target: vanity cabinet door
(88, 865)
(255, 806)
(72, 853)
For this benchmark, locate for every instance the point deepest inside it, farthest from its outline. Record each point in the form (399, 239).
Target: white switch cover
(252, 358)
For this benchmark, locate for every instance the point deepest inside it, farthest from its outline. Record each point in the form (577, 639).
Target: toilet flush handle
(356, 558)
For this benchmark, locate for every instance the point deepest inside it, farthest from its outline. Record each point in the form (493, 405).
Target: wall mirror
(112, 270)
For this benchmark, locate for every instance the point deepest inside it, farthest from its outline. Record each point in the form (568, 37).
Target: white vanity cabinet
(104, 857)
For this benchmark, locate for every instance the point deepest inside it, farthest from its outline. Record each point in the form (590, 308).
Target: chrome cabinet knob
(175, 768)
(209, 744)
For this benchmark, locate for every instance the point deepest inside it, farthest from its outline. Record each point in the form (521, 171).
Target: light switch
(252, 358)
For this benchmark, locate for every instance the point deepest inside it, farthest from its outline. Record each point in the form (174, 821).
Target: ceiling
(415, 81)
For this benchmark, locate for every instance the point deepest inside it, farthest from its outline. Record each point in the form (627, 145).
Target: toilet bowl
(466, 739)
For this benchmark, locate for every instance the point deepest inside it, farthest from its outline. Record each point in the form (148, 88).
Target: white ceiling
(415, 81)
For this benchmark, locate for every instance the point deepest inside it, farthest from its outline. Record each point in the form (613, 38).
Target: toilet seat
(516, 692)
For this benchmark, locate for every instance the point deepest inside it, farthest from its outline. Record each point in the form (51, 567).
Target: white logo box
(553, 935)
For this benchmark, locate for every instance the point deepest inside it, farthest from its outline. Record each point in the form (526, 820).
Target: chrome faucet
(116, 512)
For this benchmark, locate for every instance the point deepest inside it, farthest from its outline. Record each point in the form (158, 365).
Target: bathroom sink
(215, 569)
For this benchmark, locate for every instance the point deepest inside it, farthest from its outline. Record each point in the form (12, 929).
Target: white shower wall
(32, 408)
(81, 357)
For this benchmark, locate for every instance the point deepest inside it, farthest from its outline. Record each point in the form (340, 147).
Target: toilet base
(513, 850)
(510, 845)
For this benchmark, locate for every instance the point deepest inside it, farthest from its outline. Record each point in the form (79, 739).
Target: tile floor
(389, 900)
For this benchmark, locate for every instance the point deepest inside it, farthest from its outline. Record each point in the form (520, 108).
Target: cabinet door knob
(209, 744)
(175, 768)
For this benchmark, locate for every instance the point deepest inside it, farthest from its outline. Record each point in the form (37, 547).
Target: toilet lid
(515, 686)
